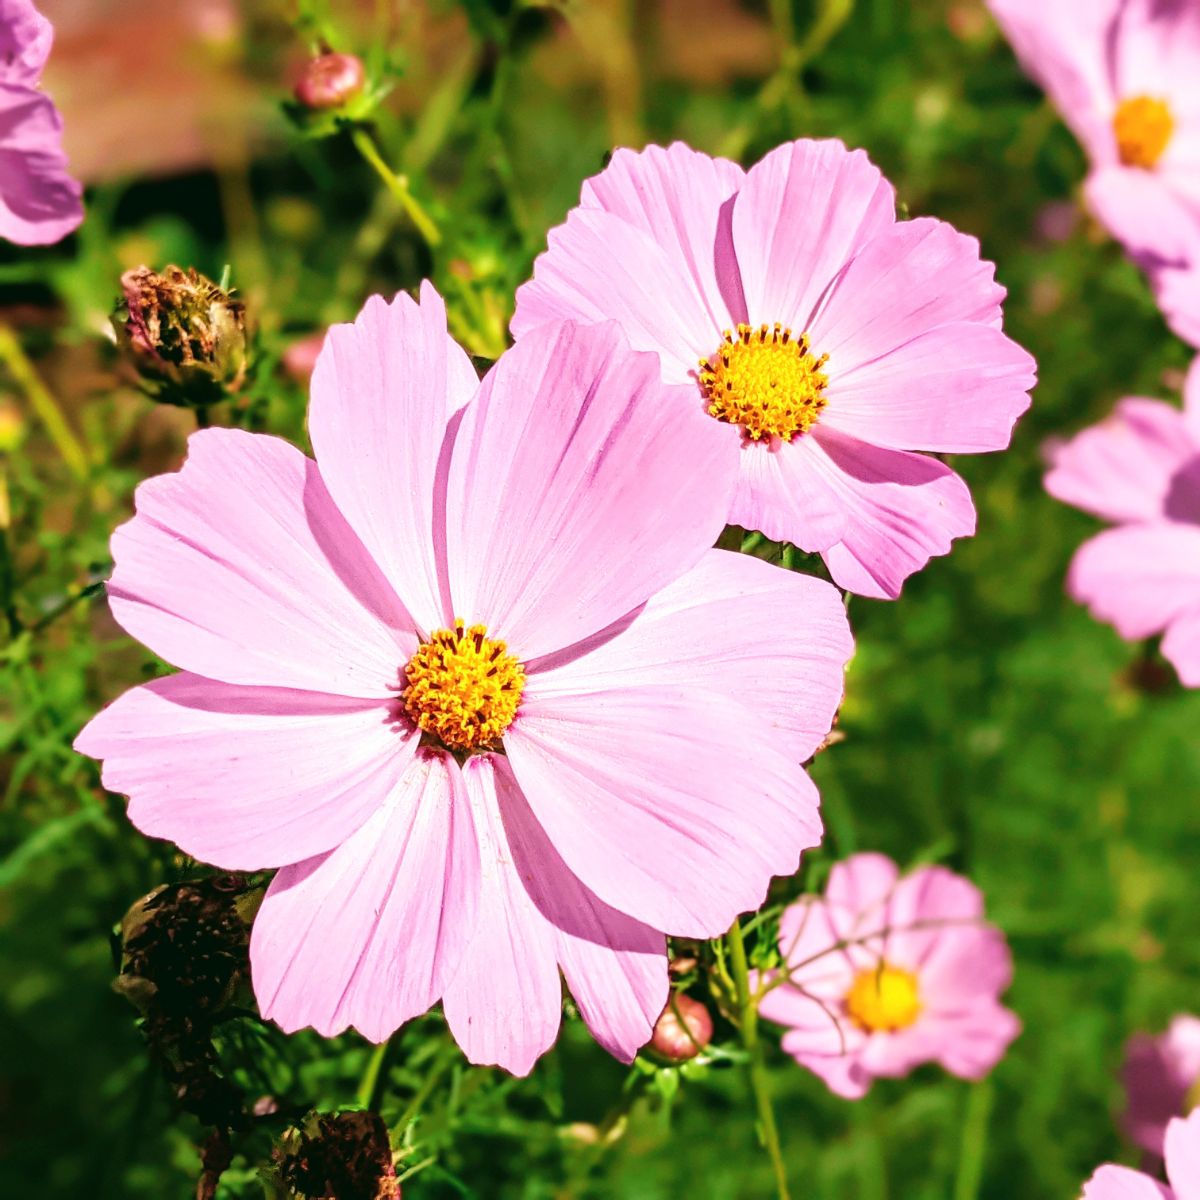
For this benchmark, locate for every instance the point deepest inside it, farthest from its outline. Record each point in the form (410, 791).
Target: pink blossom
(460, 811)
(39, 201)
(1183, 1170)
(887, 973)
(854, 339)
(1162, 1081)
(1123, 75)
(1140, 470)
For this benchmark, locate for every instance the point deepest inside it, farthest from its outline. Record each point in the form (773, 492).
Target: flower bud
(683, 1030)
(185, 335)
(344, 1154)
(330, 81)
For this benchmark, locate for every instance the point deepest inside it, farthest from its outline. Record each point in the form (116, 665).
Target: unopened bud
(683, 1030)
(186, 336)
(330, 81)
(343, 1154)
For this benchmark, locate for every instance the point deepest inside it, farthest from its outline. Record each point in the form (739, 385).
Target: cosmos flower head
(39, 201)
(1140, 470)
(1182, 1154)
(827, 339)
(475, 682)
(1123, 75)
(885, 972)
(1162, 1081)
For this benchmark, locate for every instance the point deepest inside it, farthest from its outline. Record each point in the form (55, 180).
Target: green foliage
(989, 723)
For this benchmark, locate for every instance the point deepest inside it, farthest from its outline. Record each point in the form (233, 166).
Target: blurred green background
(989, 723)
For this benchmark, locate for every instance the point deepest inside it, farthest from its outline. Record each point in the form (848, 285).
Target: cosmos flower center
(766, 380)
(883, 999)
(1143, 127)
(463, 688)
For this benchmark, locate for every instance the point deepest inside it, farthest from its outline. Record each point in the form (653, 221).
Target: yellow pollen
(883, 999)
(766, 380)
(463, 688)
(1143, 127)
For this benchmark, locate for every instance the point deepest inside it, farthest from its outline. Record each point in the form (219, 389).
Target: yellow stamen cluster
(462, 688)
(765, 380)
(883, 999)
(1143, 127)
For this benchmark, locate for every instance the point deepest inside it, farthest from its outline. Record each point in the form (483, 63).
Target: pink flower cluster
(39, 201)
(474, 681)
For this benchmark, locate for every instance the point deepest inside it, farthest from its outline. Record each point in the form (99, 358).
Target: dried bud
(186, 336)
(683, 1030)
(337, 1156)
(330, 81)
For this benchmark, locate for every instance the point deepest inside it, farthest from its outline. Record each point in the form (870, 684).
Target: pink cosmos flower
(1183, 1170)
(887, 973)
(827, 338)
(39, 201)
(476, 684)
(1162, 1081)
(1140, 469)
(1123, 75)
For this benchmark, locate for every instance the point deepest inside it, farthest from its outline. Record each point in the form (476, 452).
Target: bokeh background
(989, 724)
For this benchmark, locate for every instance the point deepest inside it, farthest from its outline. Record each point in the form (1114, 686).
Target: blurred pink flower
(1161, 1076)
(1183, 1170)
(831, 339)
(300, 358)
(1140, 469)
(460, 808)
(1123, 75)
(39, 201)
(888, 973)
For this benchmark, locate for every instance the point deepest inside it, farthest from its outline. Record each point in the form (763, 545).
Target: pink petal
(1155, 48)
(1182, 1152)
(1148, 218)
(241, 568)
(901, 511)
(1138, 578)
(1191, 398)
(580, 484)
(369, 934)
(25, 40)
(679, 197)
(960, 965)
(599, 268)
(504, 1003)
(804, 211)
(383, 393)
(717, 630)
(39, 201)
(1157, 1075)
(811, 937)
(842, 1073)
(246, 778)
(780, 494)
(1177, 291)
(1181, 646)
(1127, 468)
(863, 884)
(616, 968)
(1063, 46)
(958, 389)
(905, 282)
(647, 794)
(1121, 1183)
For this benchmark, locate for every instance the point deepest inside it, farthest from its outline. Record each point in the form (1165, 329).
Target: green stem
(13, 356)
(373, 1079)
(748, 1025)
(422, 1094)
(398, 186)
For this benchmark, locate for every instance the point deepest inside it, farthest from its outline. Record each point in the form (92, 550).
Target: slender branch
(398, 186)
(373, 1079)
(13, 356)
(757, 1068)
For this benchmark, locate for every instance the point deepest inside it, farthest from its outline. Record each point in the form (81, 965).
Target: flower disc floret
(463, 688)
(884, 999)
(766, 380)
(1143, 127)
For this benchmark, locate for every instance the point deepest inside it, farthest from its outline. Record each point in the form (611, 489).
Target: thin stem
(13, 356)
(757, 1067)
(372, 1081)
(398, 186)
(422, 1094)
